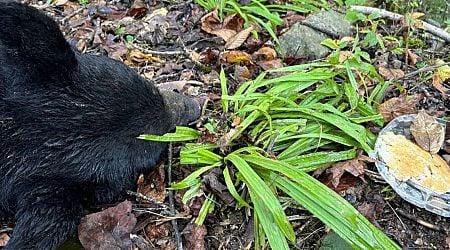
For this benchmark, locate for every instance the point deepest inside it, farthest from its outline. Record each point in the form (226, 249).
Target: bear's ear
(33, 38)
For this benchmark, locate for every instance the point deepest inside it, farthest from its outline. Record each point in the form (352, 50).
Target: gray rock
(302, 42)
(330, 22)
(303, 39)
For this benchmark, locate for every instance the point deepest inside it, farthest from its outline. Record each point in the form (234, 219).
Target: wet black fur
(68, 127)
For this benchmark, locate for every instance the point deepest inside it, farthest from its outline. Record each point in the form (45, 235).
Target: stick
(397, 17)
(171, 203)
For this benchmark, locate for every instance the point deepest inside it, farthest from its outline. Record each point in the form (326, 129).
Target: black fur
(68, 127)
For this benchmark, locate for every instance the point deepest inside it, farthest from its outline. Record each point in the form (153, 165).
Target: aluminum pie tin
(409, 190)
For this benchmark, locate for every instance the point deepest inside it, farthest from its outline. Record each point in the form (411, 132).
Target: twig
(171, 202)
(421, 222)
(428, 68)
(76, 12)
(146, 198)
(160, 53)
(396, 215)
(396, 17)
(376, 177)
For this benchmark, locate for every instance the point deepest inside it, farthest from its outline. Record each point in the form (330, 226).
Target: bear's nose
(183, 109)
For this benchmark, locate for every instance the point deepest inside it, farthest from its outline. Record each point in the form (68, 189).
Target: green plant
(307, 118)
(259, 12)
(83, 2)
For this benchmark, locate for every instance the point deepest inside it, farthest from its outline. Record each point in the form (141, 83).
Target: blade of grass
(264, 194)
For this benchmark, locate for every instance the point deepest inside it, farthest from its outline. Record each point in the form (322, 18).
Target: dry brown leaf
(236, 56)
(390, 74)
(154, 185)
(108, 229)
(138, 9)
(412, 56)
(233, 22)
(438, 84)
(242, 73)
(271, 64)
(136, 56)
(238, 39)
(60, 2)
(225, 34)
(428, 132)
(267, 53)
(398, 106)
(194, 237)
(355, 167)
(4, 238)
(211, 22)
(344, 55)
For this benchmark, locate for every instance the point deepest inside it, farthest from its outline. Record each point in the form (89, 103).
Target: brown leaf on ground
(266, 54)
(116, 50)
(390, 74)
(225, 34)
(213, 184)
(138, 9)
(412, 57)
(4, 238)
(233, 22)
(237, 40)
(235, 56)
(154, 185)
(242, 73)
(194, 237)
(136, 56)
(398, 106)
(211, 22)
(272, 64)
(438, 84)
(230, 30)
(159, 235)
(108, 229)
(428, 133)
(372, 209)
(355, 167)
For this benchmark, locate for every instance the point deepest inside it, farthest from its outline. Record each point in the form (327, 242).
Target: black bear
(68, 127)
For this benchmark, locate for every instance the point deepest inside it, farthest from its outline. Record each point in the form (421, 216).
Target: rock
(303, 39)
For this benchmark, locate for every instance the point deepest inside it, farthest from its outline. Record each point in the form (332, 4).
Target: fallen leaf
(211, 22)
(355, 167)
(4, 238)
(412, 56)
(238, 39)
(214, 185)
(344, 55)
(266, 53)
(235, 56)
(108, 229)
(194, 237)
(390, 74)
(233, 22)
(225, 34)
(154, 185)
(139, 57)
(428, 132)
(271, 64)
(138, 9)
(398, 106)
(116, 50)
(438, 84)
(242, 73)
(373, 208)
(156, 230)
